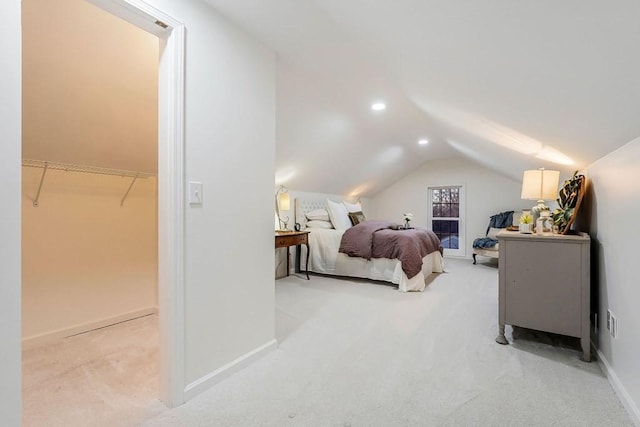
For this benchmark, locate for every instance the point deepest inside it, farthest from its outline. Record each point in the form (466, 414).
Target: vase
(547, 222)
(526, 228)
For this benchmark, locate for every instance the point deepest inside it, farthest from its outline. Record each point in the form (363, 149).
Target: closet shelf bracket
(69, 167)
(128, 189)
(44, 171)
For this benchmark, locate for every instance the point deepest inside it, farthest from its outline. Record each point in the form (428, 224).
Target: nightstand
(285, 239)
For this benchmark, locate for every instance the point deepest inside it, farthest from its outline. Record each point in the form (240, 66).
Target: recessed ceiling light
(378, 106)
(423, 142)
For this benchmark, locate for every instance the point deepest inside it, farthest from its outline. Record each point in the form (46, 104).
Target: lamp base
(540, 207)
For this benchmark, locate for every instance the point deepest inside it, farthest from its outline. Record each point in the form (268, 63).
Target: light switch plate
(195, 193)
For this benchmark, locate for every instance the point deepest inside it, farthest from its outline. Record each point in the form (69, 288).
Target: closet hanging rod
(69, 167)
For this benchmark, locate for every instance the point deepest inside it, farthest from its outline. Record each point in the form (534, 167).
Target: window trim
(461, 251)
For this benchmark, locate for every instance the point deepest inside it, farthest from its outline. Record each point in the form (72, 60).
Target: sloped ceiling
(89, 87)
(512, 85)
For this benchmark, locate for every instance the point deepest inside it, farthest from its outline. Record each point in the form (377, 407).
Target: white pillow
(339, 215)
(319, 224)
(318, 215)
(353, 207)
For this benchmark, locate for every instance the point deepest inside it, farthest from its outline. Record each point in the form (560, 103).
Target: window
(446, 217)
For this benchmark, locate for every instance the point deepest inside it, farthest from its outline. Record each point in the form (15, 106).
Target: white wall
(230, 148)
(10, 135)
(612, 205)
(86, 261)
(487, 193)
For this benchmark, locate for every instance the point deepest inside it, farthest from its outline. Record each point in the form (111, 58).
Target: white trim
(138, 13)
(37, 340)
(620, 390)
(170, 187)
(171, 216)
(462, 245)
(207, 381)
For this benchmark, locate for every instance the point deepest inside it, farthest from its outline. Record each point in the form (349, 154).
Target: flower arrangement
(407, 218)
(526, 218)
(526, 223)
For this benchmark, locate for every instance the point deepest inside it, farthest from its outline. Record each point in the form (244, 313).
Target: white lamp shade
(284, 201)
(540, 184)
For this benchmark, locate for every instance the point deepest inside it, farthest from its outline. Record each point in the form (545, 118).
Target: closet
(89, 242)
(89, 199)
(89, 184)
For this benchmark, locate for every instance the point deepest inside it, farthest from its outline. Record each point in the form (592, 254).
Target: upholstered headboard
(304, 205)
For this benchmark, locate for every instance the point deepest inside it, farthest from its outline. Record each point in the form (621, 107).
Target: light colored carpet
(354, 353)
(106, 377)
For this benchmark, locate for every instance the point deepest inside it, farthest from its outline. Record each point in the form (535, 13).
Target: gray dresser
(545, 284)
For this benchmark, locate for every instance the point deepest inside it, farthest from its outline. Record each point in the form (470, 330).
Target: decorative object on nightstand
(539, 184)
(407, 219)
(283, 203)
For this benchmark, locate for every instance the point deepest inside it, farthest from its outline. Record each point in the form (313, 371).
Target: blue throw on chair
(500, 220)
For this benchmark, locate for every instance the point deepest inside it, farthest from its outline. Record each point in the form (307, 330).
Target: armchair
(488, 246)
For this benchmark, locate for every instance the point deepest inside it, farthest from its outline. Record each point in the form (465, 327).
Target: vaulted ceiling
(512, 85)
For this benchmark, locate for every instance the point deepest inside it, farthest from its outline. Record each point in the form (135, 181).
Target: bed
(325, 257)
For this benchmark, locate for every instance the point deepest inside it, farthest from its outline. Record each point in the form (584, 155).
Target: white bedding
(325, 258)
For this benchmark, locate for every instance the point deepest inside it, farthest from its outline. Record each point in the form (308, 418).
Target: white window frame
(461, 251)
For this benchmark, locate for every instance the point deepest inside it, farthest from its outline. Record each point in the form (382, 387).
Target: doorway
(170, 186)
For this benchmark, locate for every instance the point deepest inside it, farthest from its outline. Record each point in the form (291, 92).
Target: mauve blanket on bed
(374, 239)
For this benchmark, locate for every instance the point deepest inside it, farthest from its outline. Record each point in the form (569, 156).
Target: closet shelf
(69, 167)
(86, 169)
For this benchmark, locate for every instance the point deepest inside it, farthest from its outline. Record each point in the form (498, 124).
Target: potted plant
(570, 197)
(526, 223)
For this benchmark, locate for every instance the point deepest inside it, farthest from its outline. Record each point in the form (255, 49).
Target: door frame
(171, 75)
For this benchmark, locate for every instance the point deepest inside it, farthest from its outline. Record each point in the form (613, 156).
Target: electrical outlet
(609, 320)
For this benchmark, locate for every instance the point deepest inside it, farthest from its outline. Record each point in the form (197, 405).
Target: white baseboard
(620, 390)
(36, 340)
(205, 382)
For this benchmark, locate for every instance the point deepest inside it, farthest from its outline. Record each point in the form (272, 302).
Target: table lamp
(540, 184)
(283, 203)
